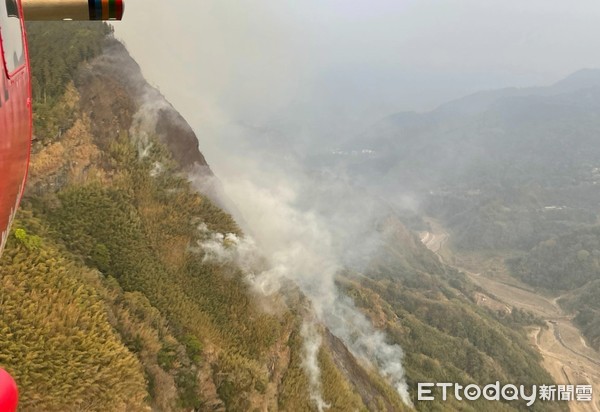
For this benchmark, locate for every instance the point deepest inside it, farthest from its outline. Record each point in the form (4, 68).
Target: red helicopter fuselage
(15, 88)
(16, 110)
(15, 113)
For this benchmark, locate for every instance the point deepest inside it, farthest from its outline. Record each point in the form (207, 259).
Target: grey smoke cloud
(260, 82)
(301, 245)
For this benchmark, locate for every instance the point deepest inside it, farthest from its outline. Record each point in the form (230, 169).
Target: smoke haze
(264, 83)
(299, 246)
(321, 69)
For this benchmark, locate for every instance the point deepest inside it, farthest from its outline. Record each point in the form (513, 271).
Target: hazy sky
(316, 71)
(332, 66)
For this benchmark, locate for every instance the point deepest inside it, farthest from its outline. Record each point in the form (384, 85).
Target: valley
(567, 356)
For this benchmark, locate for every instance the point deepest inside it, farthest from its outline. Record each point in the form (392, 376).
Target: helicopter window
(12, 35)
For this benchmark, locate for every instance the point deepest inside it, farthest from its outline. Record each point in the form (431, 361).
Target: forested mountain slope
(108, 301)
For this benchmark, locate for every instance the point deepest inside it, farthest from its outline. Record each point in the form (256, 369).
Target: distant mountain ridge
(541, 135)
(477, 102)
(480, 102)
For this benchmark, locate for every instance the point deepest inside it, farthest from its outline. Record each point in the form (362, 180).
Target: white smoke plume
(310, 363)
(298, 228)
(144, 121)
(300, 247)
(226, 247)
(365, 342)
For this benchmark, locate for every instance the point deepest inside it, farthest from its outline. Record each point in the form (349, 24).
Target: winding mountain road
(567, 357)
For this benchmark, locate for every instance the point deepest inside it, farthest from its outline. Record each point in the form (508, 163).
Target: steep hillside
(111, 300)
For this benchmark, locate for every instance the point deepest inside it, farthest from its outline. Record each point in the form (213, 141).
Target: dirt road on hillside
(434, 242)
(567, 357)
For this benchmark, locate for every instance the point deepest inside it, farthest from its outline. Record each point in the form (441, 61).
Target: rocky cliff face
(110, 96)
(116, 97)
